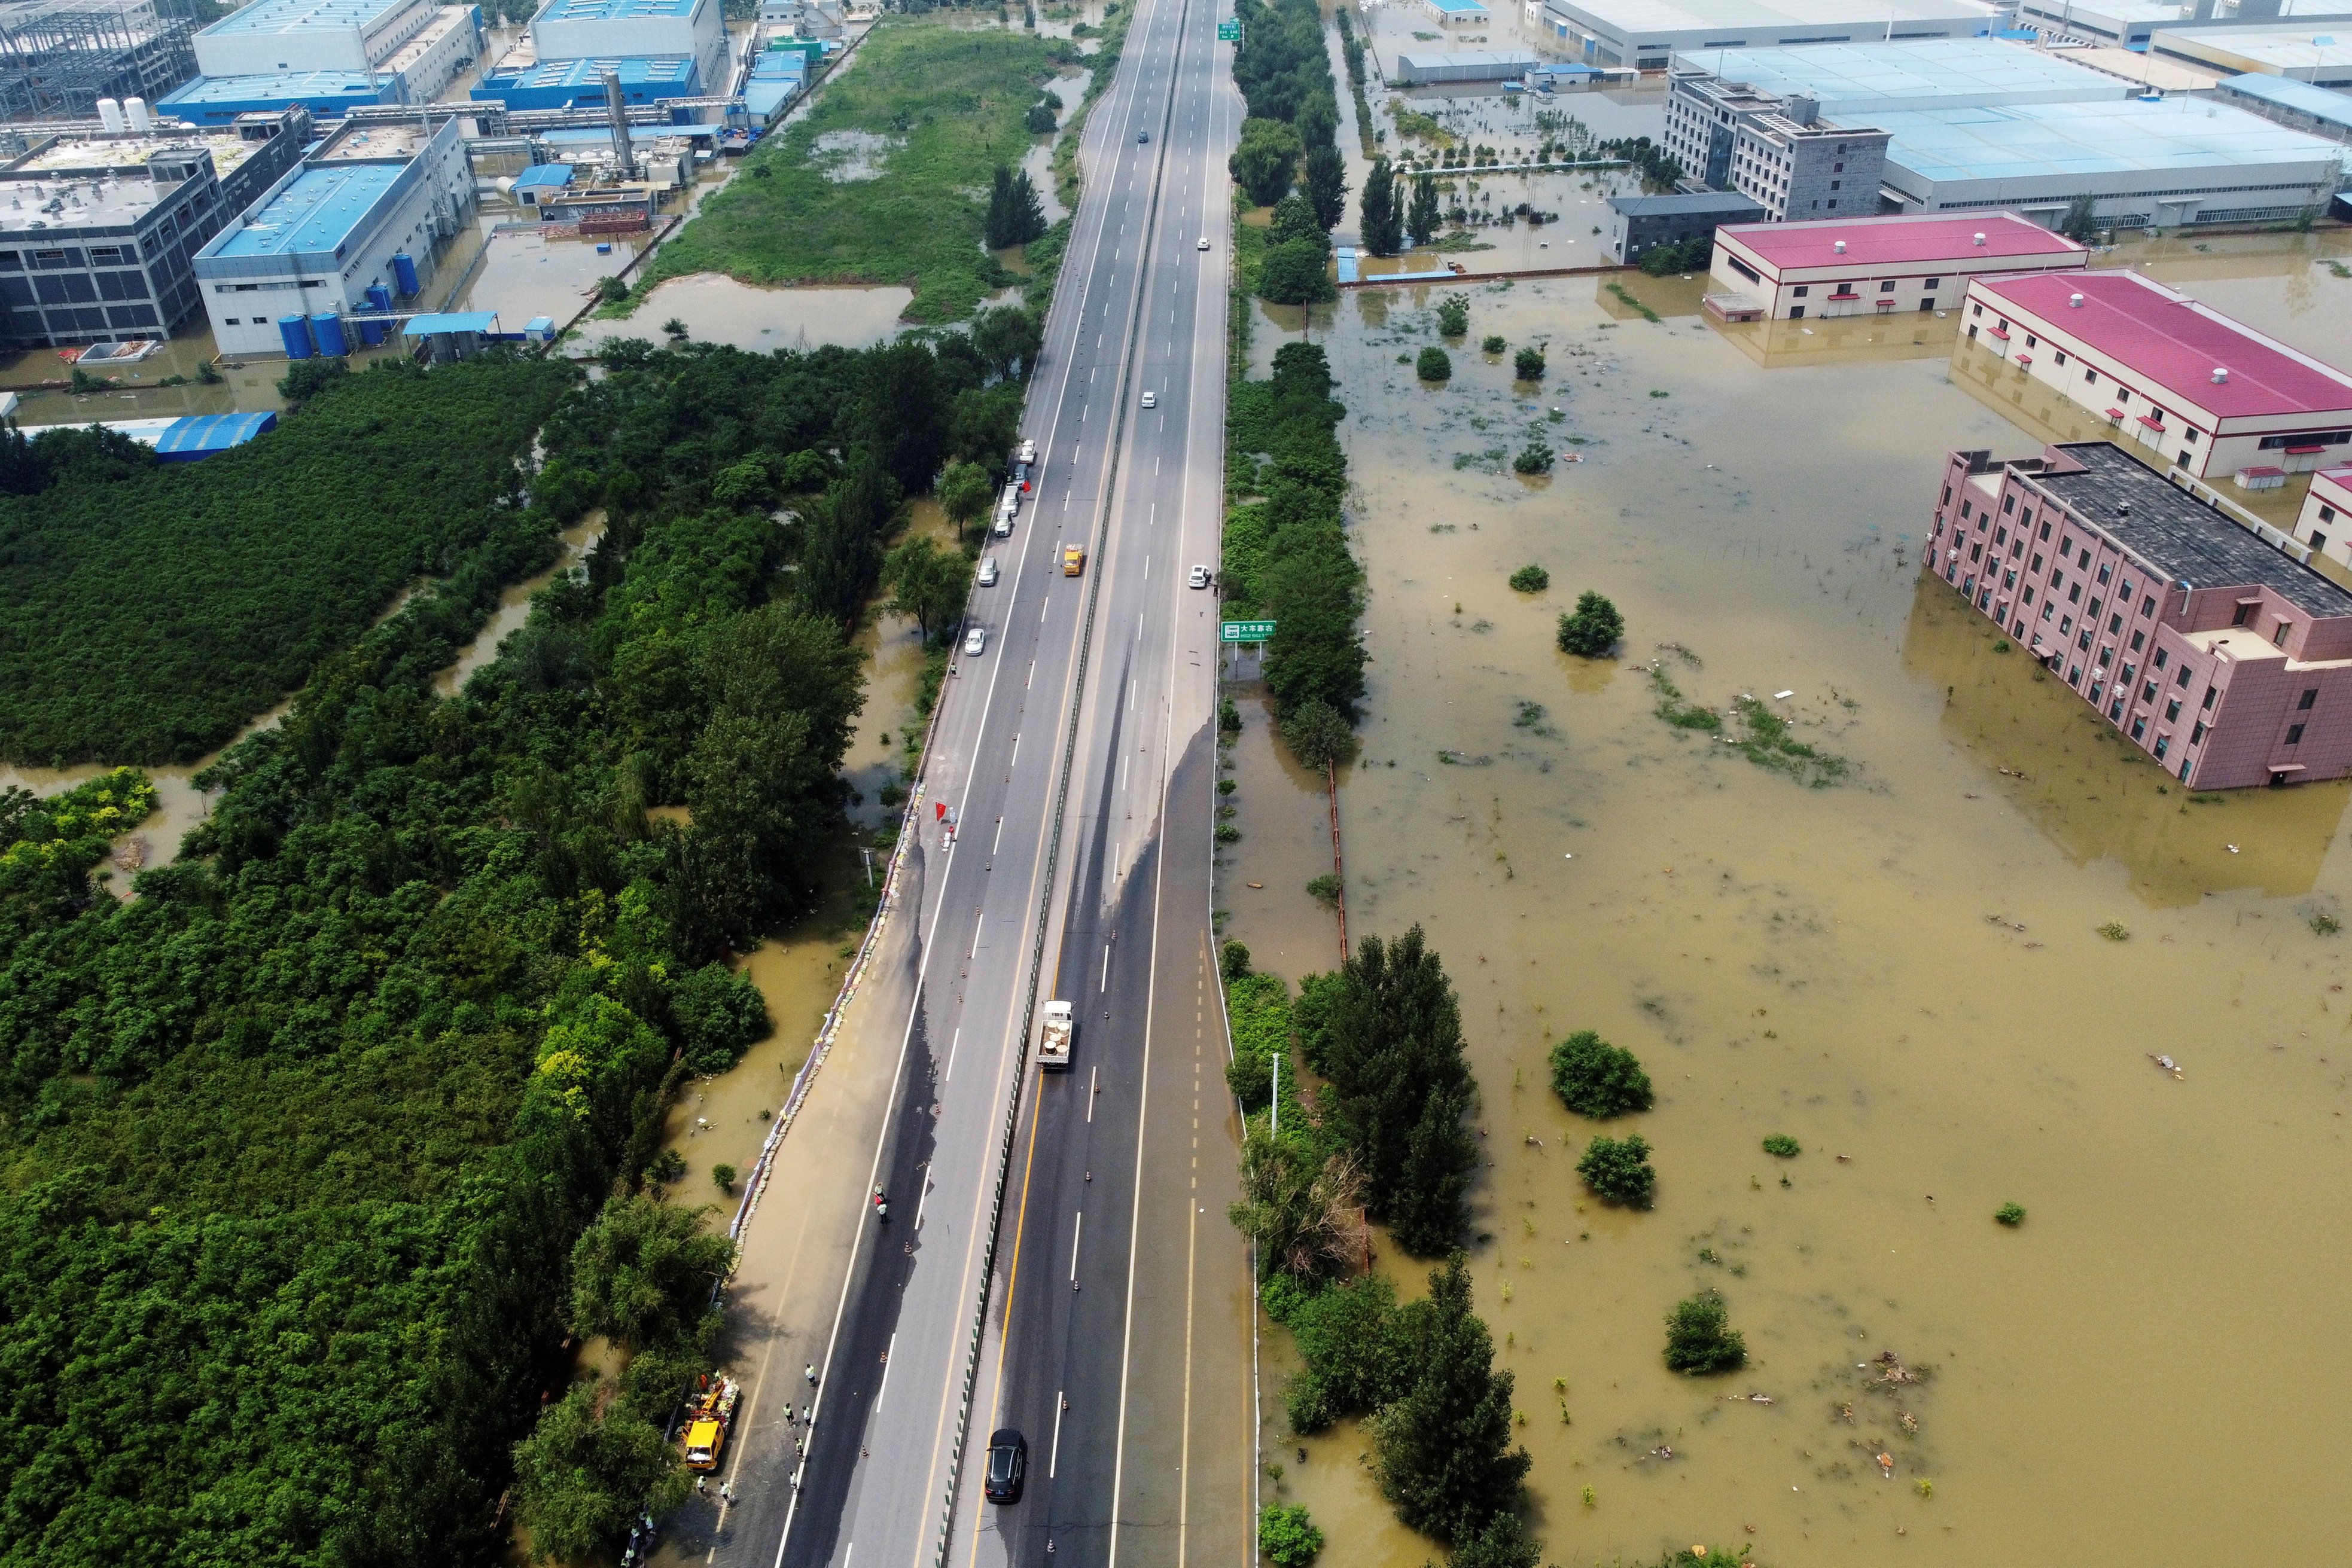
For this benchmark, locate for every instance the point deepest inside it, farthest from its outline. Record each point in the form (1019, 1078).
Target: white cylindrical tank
(109, 114)
(136, 109)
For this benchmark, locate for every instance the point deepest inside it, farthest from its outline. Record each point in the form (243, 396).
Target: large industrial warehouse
(1645, 34)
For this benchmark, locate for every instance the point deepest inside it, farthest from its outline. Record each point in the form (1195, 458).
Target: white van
(1003, 529)
(1011, 500)
(1028, 452)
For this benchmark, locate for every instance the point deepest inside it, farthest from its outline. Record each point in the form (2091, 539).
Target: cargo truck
(706, 1424)
(1057, 1029)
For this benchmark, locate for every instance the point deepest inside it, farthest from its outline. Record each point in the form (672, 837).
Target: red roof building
(1876, 266)
(2205, 394)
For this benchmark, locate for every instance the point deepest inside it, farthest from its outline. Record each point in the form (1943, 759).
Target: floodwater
(716, 308)
(720, 1119)
(578, 542)
(1905, 972)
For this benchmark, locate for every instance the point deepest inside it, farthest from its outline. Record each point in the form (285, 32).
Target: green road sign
(1244, 631)
(1230, 31)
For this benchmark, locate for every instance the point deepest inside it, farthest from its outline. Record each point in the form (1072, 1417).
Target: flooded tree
(1326, 185)
(1700, 1340)
(1422, 217)
(1618, 1170)
(1381, 225)
(1596, 1079)
(1592, 628)
(1386, 1030)
(582, 1478)
(1443, 1450)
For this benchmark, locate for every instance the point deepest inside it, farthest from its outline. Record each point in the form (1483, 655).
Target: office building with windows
(2202, 392)
(1980, 125)
(98, 234)
(2215, 648)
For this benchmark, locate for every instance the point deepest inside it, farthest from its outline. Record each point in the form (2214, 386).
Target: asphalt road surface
(1055, 1255)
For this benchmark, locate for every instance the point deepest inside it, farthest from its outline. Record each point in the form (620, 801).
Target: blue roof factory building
(263, 49)
(348, 235)
(218, 100)
(569, 84)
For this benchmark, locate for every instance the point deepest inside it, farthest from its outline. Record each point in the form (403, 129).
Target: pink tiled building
(2221, 656)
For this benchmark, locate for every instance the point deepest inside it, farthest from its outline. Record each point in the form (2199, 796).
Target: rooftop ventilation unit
(1979, 239)
(2075, 300)
(1839, 246)
(2221, 375)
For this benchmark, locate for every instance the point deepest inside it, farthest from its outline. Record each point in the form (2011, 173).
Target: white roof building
(1644, 33)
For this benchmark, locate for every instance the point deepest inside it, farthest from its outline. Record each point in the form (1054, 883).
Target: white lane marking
(1033, 676)
(976, 927)
(1042, 610)
(1061, 1403)
(1015, 759)
(1091, 1091)
(954, 1044)
(1077, 1232)
(1105, 980)
(998, 839)
(879, 1394)
(1122, 775)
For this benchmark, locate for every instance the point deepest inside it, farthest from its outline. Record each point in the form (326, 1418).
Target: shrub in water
(1618, 1170)
(1783, 1144)
(1592, 628)
(1596, 1079)
(1494, 344)
(2011, 1214)
(1528, 366)
(1530, 580)
(1700, 1339)
(1433, 365)
(1287, 1537)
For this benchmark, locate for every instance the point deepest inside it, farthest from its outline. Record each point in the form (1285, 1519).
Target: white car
(1200, 576)
(1151, 400)
(1205, 241)
(975, 640)
(988, 571)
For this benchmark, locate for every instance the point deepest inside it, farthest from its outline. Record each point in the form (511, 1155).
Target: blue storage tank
(379, 298)
(328, 326)
(403, 272)
(296, 331)
(371, 331)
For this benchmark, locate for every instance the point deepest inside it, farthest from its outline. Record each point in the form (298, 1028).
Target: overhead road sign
(1244, 631)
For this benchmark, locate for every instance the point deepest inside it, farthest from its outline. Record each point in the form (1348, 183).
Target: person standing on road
(811, 1373)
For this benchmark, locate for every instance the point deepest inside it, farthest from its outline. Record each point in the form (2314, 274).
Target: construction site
(58, 57)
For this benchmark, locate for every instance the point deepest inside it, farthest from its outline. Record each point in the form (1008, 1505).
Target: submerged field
(885, 180)
(1904, 970)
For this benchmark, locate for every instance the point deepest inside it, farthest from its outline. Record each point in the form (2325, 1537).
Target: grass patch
(1675, 709)
(1760, 735)
(951, 99)
(1633, 304)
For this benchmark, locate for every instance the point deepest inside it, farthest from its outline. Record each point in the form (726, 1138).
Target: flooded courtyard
(1944, 976)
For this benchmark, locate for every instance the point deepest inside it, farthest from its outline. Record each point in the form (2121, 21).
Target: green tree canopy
(1382, 227)
(1442, 1451)
(1422, 218)
(1596, 1079)
(1325, 181)
(582, 1479)
(1592, 628)
(1264, 162)
(1387, 1031)
(927, 585)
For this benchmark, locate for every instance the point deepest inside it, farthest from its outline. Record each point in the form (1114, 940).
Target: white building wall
(409, 219)
(701, 33)
(429, 62)
(307, 48)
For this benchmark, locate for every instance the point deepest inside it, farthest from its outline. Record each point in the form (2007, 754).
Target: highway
(1055, 1256)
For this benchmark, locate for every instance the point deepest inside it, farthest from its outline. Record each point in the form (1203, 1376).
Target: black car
(1008, 1466)
(1143, 136)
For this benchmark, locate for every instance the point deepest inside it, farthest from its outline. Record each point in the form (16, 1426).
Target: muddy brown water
(1906, 970)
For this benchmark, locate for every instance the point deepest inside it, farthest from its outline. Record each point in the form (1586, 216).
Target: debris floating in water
(1784, 697)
